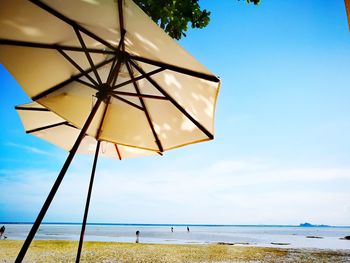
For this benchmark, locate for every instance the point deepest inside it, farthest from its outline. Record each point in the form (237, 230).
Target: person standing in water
(172, 229)
(137, 236)
(2, 231)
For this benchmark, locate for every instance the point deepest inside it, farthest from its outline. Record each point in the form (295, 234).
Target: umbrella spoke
(77, 67)
(66, 82)
(71, 22)
(70, 125)
(47, 127)
(174, 102)
(123, 93)
(159, 144)
(86, 84)
(52, 46)
(127, 102)
(138, 78)
(176, 68)
(31, 108)
(92, 65)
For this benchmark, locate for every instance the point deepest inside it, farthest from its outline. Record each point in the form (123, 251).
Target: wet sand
(65, 251)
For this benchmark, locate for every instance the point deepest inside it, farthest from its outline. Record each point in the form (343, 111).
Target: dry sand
(65, 251)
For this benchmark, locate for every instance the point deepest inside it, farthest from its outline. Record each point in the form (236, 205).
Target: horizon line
(168, 224)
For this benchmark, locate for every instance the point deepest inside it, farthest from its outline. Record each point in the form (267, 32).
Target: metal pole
(57, 183)
(81, 240)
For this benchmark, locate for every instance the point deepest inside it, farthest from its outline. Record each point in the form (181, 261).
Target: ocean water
(289, 237)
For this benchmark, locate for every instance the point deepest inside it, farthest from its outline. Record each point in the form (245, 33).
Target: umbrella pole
(81, 240)
(57, 183)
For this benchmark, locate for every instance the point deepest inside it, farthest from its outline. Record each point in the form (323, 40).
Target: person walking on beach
(2, 231)
(172, 229)
(188, 229)
(137, 236)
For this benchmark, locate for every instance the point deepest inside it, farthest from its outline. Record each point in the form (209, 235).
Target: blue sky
(281, 153)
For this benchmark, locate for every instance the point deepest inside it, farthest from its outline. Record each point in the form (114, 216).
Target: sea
(243, 235)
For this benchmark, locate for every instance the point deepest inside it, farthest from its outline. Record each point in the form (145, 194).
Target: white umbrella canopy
(62, 52)
(41, 122)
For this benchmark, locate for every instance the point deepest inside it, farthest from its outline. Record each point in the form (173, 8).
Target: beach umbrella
(106, 68)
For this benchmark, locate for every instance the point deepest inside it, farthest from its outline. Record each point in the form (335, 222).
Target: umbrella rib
(47, 127)
(44, 127)
(127, 102)
(31, 109)
(71, 22)
(176, 68)
(66, 82)
(174, 102)
(148, 96)
(92, 65)
(77, 66)
(52, 46)
(71, 125)
(138, 78)
(158, 142)
(87, 84)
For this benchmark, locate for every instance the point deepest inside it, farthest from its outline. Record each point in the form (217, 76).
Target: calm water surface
(296, 237)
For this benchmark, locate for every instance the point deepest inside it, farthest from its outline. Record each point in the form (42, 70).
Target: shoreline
(277, 245)
(65, 250)
(275, 237)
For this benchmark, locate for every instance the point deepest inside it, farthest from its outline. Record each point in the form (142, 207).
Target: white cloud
(29, 148)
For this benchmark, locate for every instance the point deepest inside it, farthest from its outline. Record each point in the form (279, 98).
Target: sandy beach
(65, 251)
